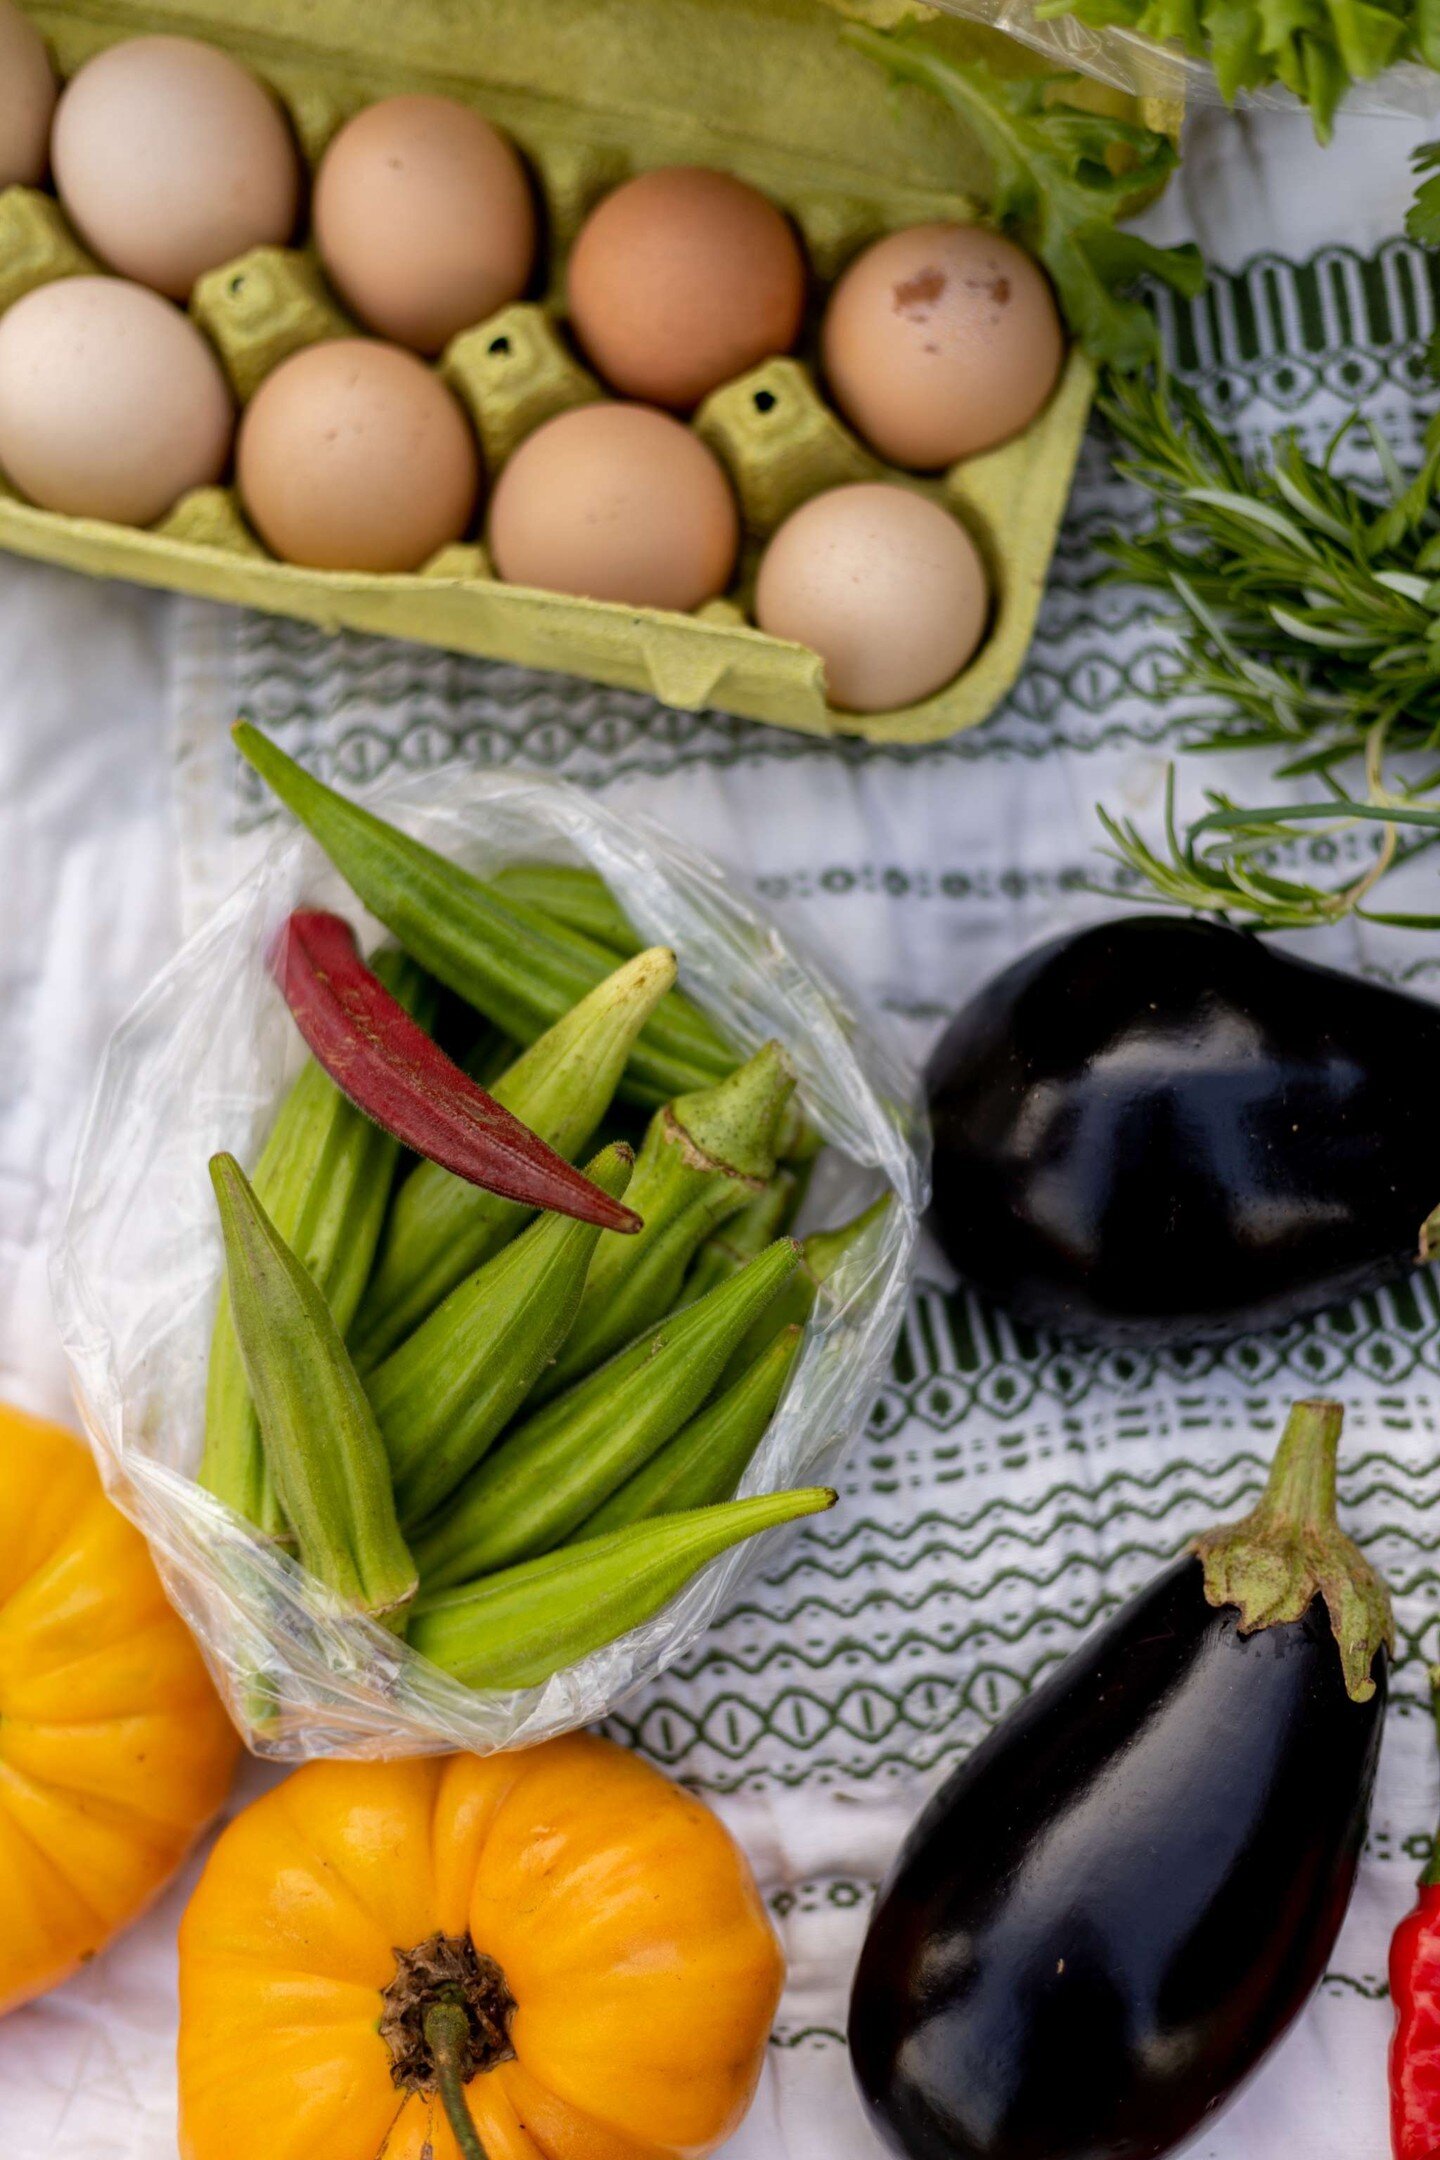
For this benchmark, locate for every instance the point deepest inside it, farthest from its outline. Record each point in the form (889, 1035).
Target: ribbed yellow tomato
(114, 1750)
(597, 1926)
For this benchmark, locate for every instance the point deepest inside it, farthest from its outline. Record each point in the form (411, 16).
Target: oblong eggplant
(1120, 1901)
(1162, 1130)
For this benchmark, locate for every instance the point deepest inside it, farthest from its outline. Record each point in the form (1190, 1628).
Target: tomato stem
(447, 2035)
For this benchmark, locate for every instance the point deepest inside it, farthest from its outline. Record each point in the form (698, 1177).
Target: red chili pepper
(389, 1068)
(1415, 1992)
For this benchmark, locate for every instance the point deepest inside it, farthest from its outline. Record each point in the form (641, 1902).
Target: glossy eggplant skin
(1121, 1899)
(1162, 1130)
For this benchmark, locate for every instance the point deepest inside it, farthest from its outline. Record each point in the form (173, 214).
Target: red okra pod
(395, 1073)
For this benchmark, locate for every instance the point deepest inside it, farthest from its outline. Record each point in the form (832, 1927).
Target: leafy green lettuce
(1317, 48)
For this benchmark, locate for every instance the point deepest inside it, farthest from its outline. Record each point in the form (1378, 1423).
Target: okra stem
(515, 1629)
(321, 1440)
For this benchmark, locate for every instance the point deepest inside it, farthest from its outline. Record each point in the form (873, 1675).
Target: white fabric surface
(96, 693)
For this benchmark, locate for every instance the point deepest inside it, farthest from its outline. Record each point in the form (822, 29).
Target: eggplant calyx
(1291, 1550)
(1430, 1238)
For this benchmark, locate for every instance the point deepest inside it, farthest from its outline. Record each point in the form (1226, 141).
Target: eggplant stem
(1301, 1492)
(1290, 1550)
(447, 2035)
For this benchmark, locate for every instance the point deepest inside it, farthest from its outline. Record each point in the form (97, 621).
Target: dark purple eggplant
(1161, 1130)
(1120, 1901)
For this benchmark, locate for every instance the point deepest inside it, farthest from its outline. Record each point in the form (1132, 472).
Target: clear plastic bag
(1127, 61)
(201, 1064)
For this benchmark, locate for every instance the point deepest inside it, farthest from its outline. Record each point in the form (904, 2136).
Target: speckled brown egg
(112, 405)
(681, 280)
(354, 456)
(939, 342)
(171, 158)
(424, 219)
(27, 100)
(886, 586)
(616, 502)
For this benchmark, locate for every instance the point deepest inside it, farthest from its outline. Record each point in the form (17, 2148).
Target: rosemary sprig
(1223, 862)
(1309, 609)
(1309, 603)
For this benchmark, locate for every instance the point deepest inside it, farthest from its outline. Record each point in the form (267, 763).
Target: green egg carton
(590, 91)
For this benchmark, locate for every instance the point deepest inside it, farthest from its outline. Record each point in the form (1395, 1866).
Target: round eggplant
(1120, 1901)
(1162, 1130)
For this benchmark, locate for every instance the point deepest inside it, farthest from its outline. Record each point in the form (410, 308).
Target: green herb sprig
(1060, 177)
(1309, 608)
(1223, 863)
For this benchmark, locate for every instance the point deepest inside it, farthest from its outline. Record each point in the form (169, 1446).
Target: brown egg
(27, 100)
(170, 158)
(354, 456)
(884, 585)
(616, 502)
(941, 341)
(112, 405)
(424, 219)
(681, 280)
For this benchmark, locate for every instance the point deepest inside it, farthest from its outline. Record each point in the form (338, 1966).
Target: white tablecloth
(1004, 1493)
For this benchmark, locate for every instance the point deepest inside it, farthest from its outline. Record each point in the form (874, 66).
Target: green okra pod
(323, 1178)
(763, 1219)
(557, 1465)
(452, 1386)
(707, 1458)
(520, 968)
(515, 1629)
(440, 1229)
(820, 1255)
(703, 1157)
(321, 1439)
(578, 898)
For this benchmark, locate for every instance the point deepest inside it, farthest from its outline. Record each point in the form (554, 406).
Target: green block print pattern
(1273, 344)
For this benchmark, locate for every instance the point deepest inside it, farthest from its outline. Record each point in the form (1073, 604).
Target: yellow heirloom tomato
(573, 1935)
(114, 1750)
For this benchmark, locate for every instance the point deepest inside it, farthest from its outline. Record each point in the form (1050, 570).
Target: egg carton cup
(765, 89)
(202, 1063)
